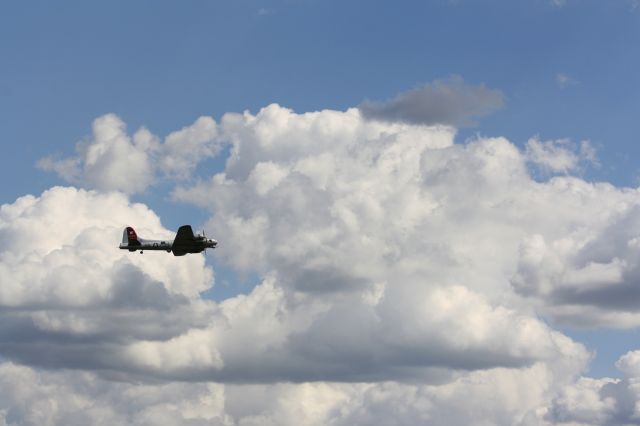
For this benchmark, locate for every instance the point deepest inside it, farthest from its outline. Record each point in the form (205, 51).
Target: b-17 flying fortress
(184, 242)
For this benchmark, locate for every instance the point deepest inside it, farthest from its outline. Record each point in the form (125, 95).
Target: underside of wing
(184, 241)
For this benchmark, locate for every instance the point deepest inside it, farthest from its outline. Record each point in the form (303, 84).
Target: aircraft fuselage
(185, 242)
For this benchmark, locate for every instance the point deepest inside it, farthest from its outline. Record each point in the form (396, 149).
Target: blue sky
(160, 65)
(565, 69)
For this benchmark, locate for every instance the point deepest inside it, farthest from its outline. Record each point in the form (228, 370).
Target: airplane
(185, 242)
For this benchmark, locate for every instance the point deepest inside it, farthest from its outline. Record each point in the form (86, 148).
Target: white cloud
(402, 279)
(564, 81)
(77, 300)
(559, 156)
(32, 397)
(184, 149)
(588, 276)
(111, 160)
(601, 401)
(355, 217)
(500, 397)
(366, 209)
(368, 202)
(74, 298)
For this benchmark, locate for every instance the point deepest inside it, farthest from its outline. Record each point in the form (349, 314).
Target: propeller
(205, 241)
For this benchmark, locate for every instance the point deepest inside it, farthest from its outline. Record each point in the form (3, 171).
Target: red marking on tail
(131, 234)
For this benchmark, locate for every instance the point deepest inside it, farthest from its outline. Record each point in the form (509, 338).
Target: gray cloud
(449, 102)
(590, 276)
(497, 397)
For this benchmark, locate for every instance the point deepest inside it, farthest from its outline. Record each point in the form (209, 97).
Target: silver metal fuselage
(148, 245)
(185, 242)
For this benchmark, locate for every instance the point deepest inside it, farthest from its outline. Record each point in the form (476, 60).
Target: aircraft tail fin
(129, 237)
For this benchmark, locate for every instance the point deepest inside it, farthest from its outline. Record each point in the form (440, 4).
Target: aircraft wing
(184, 240)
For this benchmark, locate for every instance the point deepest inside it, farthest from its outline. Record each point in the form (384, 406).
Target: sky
(427, 212)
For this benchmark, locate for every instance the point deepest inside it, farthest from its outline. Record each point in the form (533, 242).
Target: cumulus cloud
(184, 149)
(355, 225)
(75, 301)
(560, 156)
(601, 401)
(112, 160)
(332, 209)
(36, 397)
(69, 298)
(501, 397)
(449, 102)
(588, 277)
(367, 202)
(401, 276)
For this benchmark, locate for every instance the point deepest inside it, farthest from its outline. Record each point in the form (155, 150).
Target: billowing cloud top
(396, 266)
(112, 160)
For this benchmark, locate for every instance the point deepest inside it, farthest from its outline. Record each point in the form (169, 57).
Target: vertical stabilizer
(129, 237)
